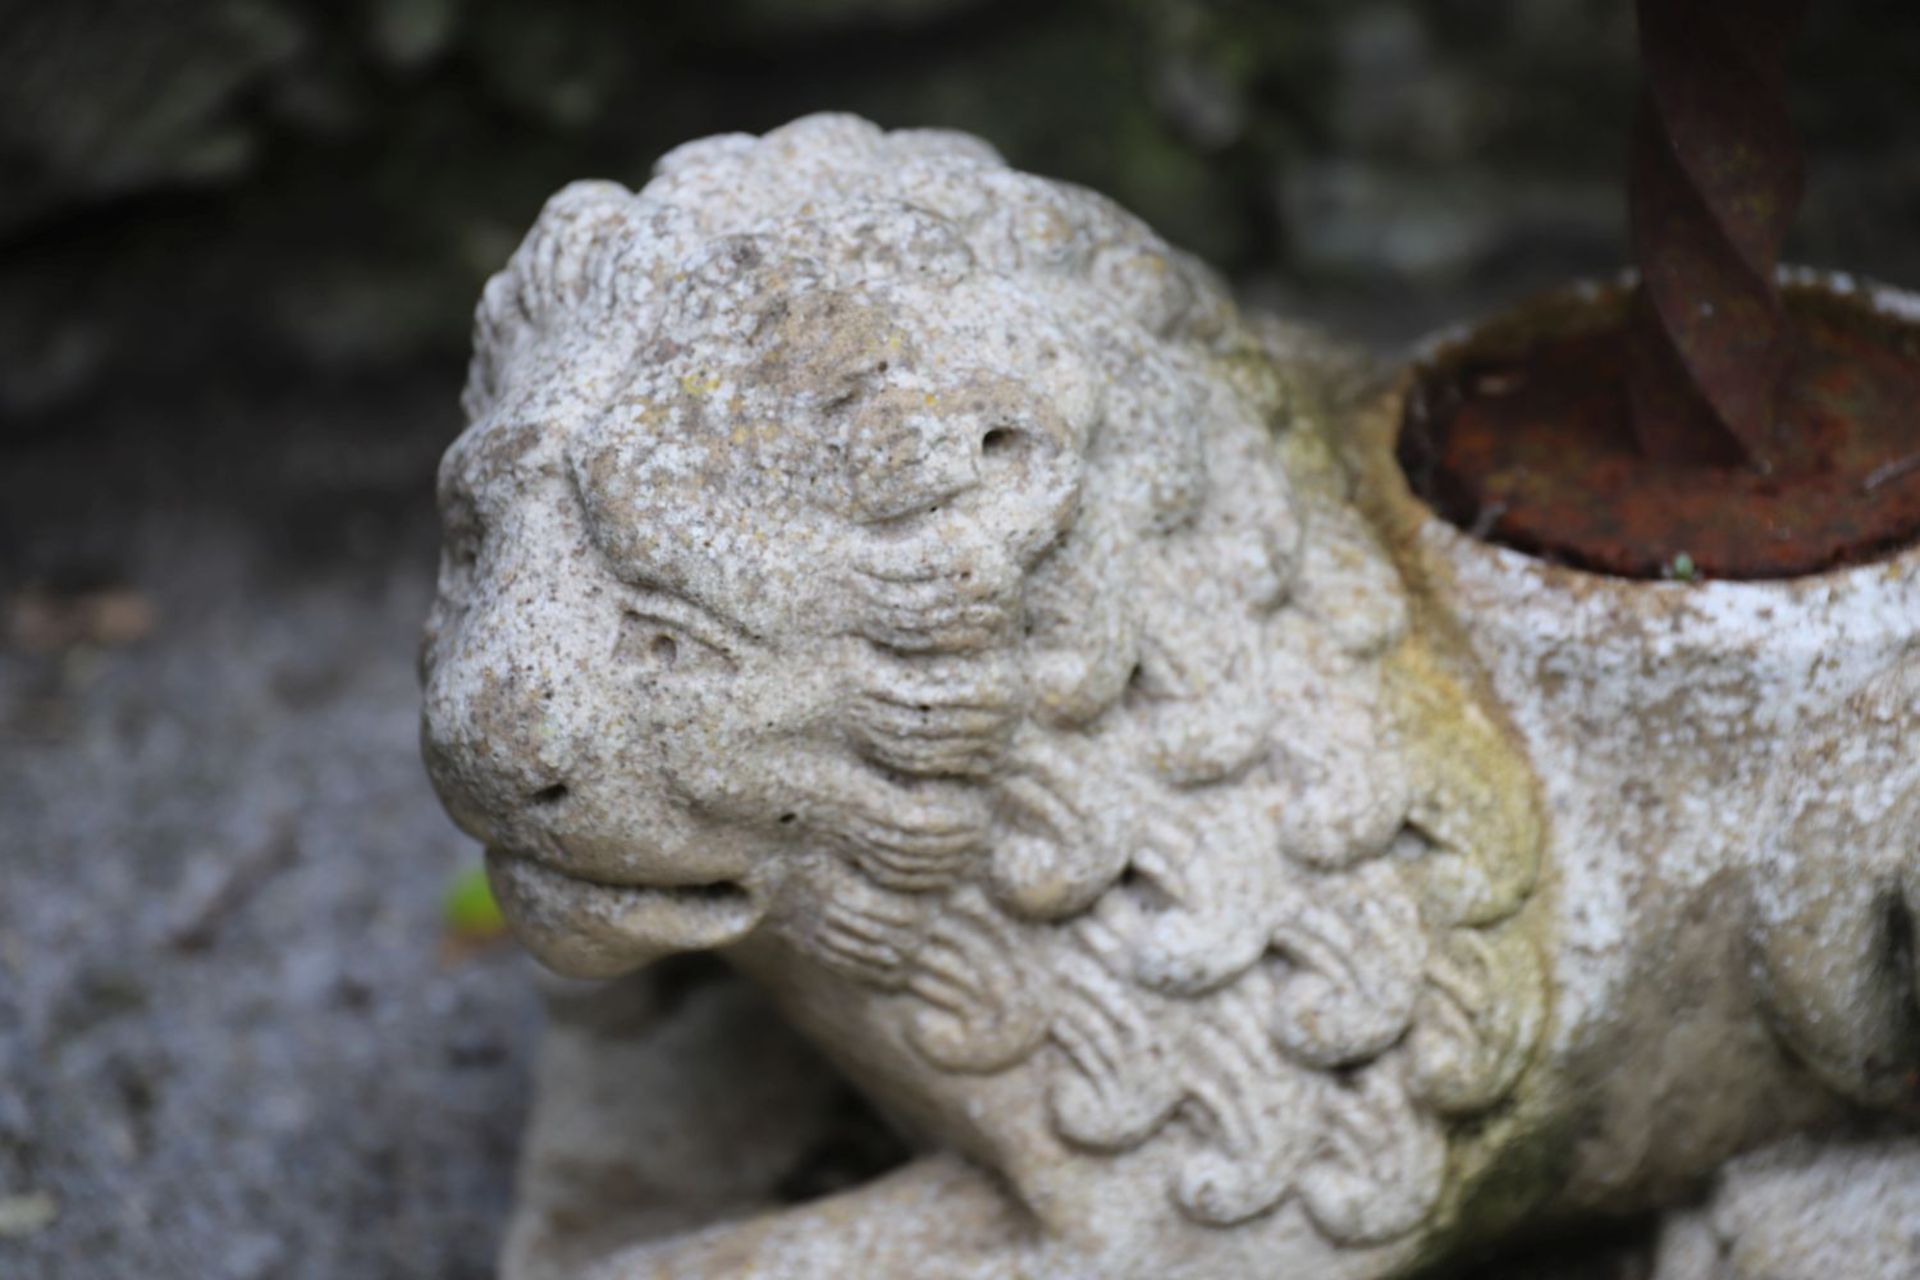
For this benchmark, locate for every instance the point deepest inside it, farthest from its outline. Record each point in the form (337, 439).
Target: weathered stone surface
(1803, 1211)
(914, 580)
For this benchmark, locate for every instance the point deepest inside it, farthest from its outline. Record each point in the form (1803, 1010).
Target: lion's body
(942, 601)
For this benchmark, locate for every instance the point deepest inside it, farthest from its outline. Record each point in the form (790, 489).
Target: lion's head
(858, 540)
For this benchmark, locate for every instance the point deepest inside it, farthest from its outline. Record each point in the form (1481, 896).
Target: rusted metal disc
(1535, 449)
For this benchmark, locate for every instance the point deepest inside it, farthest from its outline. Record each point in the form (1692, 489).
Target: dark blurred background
(240, 1034)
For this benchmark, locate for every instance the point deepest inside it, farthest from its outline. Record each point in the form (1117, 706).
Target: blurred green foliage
(195, 187)
(469, 909)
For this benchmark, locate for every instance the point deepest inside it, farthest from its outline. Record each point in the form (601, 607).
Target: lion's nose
(495, 748)
(503, 738)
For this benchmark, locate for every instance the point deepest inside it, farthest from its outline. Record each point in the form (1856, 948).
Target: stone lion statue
(915, 581)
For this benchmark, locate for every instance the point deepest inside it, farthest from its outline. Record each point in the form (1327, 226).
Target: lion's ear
(561, 263)
(569, 262)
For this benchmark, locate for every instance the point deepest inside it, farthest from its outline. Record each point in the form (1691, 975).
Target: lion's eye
(855, 384)
(658, 644)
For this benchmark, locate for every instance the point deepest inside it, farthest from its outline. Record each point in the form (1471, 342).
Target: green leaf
(469, 907)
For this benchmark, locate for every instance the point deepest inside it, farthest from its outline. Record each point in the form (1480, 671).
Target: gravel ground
(233, 1039)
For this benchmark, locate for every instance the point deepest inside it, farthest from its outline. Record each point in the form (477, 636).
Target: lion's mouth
(590, 927)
